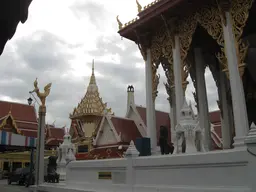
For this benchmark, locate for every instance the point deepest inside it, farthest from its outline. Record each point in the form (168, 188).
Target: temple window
(82, 149)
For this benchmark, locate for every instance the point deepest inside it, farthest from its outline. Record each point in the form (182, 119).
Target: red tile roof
(25, 125)
(29, 133)
(127, 128)
(162, 118)
(57, 133)
(54, 135)
(214, 117)
(20, 112)
(54, 142)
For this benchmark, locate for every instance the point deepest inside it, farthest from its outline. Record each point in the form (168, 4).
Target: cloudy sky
(57, 44)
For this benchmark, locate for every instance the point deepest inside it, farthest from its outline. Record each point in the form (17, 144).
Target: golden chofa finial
(139, 6)
(120, 25)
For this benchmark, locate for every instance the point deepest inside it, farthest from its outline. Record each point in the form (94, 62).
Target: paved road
(11, 188)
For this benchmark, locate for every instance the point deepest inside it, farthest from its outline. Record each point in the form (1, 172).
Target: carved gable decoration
(106, 134)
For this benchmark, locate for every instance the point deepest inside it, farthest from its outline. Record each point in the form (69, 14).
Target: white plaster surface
(218, 171)
(107, 135)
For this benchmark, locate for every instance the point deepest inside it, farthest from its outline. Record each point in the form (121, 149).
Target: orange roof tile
(162, 118)
(29, 133)
(127, 128)
(20, 112)
(57, 133)
(214, 117)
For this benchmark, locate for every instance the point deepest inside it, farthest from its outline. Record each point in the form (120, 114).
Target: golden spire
(139, 6)
(93, 66)
(92, 79)
(91, 103)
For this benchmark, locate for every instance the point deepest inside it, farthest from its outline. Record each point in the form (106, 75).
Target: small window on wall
(82, 149)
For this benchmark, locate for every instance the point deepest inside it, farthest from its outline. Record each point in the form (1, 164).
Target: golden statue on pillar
(42, 96)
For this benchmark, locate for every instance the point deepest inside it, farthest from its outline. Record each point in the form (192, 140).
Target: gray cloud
(96, 12)
(48, 57)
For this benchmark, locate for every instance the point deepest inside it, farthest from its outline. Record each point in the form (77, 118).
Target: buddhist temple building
(21, 119)
(99, 134)
(53, 136)
(87, 116)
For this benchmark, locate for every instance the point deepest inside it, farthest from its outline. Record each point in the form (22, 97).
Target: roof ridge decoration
(140, 9)
(91, 103)
(138, 6)
(4, 122)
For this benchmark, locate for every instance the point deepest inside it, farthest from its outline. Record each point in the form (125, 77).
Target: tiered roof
(21, 117)
(91, 103)
(54, 135)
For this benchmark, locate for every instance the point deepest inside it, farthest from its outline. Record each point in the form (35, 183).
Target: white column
(173, 115)
(225, 127)
(40, 147)
(204, 119)
(237, 90)
(150, 110)
(179, 95)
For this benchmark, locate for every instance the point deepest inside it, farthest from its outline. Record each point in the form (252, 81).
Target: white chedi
(132, 151)
(188, 133)
(66, 153)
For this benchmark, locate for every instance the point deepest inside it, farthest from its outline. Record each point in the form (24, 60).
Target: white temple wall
(217, 171)
(86, 172)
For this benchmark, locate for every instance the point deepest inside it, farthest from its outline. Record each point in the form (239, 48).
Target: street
(4, 187)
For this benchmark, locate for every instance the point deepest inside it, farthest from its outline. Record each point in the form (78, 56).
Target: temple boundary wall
(218, 171)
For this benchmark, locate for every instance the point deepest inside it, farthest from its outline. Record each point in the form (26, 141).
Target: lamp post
(39, 178)
(30, 100)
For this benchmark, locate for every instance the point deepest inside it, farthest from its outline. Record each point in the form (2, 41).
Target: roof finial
(139, 6)
(92, 79)
(120, 25)
(10, 111)
(93, 66)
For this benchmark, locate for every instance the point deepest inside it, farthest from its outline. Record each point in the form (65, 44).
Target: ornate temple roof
(91, 103)
(154, 15)
(20, 116)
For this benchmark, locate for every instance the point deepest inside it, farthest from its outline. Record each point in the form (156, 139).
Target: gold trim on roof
(140, 9)
(13, 123)
(91, 103)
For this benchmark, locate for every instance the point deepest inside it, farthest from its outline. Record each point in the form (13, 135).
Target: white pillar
(225, 126)
(204, 119)
(173, 115)
(179, 94)
(150, 110)
(237, 90)
(40, 147)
